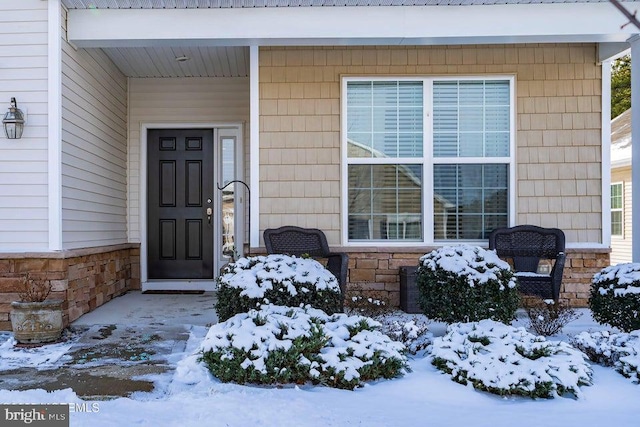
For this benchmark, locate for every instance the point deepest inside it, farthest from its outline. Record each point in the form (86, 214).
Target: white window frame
(621, 209)
(427, 159)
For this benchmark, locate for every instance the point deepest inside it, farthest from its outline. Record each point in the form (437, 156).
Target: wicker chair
(526, 246)
(291, 240)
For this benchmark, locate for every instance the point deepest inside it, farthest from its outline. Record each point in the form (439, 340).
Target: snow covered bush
(283, 280)
(622, 351)
(284, 345)
(547, 317)
(413, 333)
(466, 283)
(505, 360)
(615, 296)
(366, 302)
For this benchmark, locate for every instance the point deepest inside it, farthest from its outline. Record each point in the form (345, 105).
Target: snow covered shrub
(365, 302)
(622, 351)
(505, 360)
(547, 317)
(283, 280)
(413, 333)
(615, 296)
(284, 345)
(466, 283)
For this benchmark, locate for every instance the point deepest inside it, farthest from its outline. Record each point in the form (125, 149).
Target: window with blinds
(617, 200)
(427, 159)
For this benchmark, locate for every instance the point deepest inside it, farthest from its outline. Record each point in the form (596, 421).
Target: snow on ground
(424, 397)
(35, 357)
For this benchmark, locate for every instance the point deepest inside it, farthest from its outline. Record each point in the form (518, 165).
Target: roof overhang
(621, 163)
(379, 25)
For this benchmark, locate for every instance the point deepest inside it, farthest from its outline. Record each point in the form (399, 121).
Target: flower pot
(37, 322)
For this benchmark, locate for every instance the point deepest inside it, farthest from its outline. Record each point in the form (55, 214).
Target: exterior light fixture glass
(13, 121)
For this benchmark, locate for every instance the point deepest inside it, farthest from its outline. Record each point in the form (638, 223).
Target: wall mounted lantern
(13, 121)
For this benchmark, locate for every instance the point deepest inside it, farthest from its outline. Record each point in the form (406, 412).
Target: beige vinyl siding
(558, 127)
(180, 100)
(94, 149)
(621, 246)
(23, 162)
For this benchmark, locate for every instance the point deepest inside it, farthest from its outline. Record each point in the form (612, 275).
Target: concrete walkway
(136, 308)
(129, 345)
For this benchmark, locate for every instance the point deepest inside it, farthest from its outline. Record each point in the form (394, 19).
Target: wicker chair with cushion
(291, 240)
(536, 254)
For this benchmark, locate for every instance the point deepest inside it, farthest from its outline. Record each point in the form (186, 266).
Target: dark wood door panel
(193, 184)
(167, 183)
(179, 186)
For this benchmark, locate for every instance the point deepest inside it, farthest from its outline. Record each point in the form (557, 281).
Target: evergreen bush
(507, 361)
(282, 280)
(284, 345)
(466, 283)
(622, 351)
(615, 296)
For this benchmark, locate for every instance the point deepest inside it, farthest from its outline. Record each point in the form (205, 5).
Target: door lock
(209, 213)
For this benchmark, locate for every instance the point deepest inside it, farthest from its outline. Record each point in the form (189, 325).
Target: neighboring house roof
(621, 140)
(206, 4)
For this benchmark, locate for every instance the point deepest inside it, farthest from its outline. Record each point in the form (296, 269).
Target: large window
(427, 159)
(617, 204)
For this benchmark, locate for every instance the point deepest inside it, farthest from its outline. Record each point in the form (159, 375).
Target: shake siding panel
(553, 112)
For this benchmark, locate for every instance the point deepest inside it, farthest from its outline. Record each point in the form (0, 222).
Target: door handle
(209, 213)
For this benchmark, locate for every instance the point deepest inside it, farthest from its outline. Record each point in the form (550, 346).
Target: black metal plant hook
(249, 207)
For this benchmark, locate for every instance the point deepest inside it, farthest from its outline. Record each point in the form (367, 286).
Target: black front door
(180, 203)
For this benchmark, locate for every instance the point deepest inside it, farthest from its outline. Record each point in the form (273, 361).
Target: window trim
(621, 209)
(427, 160)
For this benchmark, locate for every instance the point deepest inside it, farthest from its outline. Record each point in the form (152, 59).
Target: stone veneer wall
(379, 271)
(84, 278)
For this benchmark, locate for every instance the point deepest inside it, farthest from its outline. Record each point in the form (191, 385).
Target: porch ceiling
(203, 61)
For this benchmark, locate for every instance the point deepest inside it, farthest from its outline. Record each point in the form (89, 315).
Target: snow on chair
(291, 240)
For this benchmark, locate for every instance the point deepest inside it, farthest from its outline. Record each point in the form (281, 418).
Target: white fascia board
(612, 51)
(402, 25)
(623, 163)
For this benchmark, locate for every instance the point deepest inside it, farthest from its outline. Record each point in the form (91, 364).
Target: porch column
(635, 146)
(606, 152)
(254, 145)
(54, 124)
